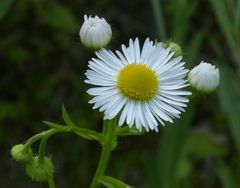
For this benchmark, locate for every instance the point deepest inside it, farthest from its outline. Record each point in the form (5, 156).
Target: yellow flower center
(138, 82)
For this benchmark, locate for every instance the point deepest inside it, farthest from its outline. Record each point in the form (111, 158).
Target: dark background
(42, 65)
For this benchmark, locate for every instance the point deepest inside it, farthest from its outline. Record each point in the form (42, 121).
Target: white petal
(115, 109)
(137, 50)
(152, 123)
(123, 114)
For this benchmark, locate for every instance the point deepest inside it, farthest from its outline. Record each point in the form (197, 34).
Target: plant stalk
(109, 132)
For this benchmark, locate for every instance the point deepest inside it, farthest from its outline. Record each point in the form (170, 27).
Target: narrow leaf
(194, 47)
(229, 94)
(83, 132)
(158, 15)
(54, 125)
(214, 43)
(88, 134)
(58, 16)
(66, 117)
(226, 177)
(224, 21)
(112, 182)
(162, 173)
(237, 18)
(171, 148)
(4, 7)
(183, 11)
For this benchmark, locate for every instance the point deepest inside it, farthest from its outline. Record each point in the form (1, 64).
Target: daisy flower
(144, 87)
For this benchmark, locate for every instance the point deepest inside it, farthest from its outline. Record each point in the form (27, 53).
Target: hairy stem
(109, 132)
(36, 137)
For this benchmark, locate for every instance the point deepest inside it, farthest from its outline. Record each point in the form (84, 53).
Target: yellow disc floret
(138, 82)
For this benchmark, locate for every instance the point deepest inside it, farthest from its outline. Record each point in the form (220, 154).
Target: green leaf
(66, 117)
(194, 47)
(59, 17)
(88, 134)
(151, 171)
(237, 16)
(54, 125)
(214, 43)
(182, 13)
(171, 148)
(161, 170)
(112, 182)
(206, 145)
(83, 132)
(4, 7)
(184, 169)
(229, 95)
(226, 176)
(224, 21)
(158, 15)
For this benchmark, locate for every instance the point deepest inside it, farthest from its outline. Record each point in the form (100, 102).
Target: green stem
(40, 135)
(77, 130)
(109, 132)
(42, 148)
(51, 183)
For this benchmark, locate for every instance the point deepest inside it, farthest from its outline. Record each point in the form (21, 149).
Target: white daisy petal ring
(144, 87)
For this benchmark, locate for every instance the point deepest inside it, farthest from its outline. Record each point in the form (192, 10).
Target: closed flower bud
(21, 153)
(204, 77)
(174, 48)
(95, 32)
(40, 170)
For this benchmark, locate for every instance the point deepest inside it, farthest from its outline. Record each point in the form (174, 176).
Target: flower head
(95, 32)
(143, 86)
(204, 77)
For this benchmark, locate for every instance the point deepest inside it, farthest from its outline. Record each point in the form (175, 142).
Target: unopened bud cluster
(40, 170)
(37, 169)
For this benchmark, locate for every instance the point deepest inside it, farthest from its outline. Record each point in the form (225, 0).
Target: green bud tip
(40, 170)
(176, 48)
(21, 153)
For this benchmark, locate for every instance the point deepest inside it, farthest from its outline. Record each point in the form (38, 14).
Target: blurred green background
(42, 65)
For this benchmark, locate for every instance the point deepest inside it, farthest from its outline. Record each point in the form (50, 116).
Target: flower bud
(204, 77)
(21, 153)
(40, 170)
(95, 32)
(176, 48)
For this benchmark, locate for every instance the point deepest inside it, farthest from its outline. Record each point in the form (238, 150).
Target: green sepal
(66, 117)
(111, 182)
(127, 131)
